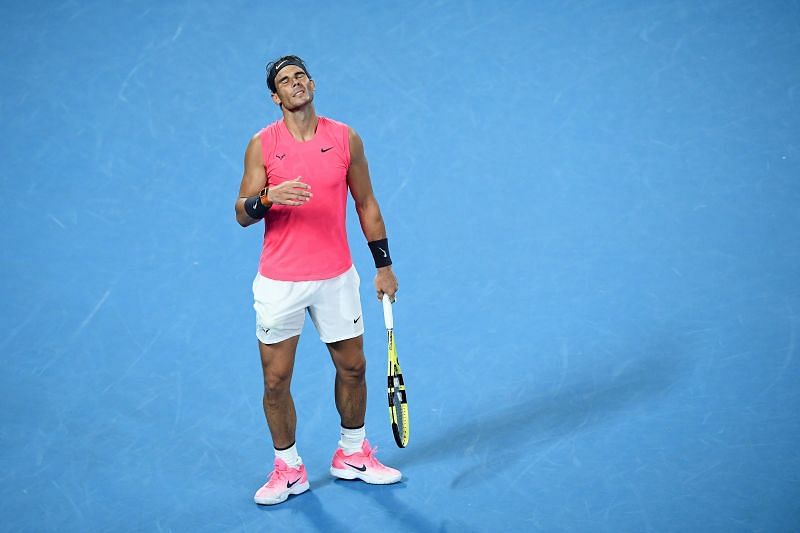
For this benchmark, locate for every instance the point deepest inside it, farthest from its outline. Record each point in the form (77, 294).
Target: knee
(276, 384)
(352, 370)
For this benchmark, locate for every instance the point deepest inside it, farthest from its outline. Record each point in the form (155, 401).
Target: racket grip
(388, 319)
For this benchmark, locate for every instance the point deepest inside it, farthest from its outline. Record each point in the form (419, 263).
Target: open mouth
(298, 92)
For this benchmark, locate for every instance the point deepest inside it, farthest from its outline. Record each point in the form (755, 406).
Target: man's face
(293, 88)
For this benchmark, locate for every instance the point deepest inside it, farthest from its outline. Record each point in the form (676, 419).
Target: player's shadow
(496, 439)
(386, 496)
(310, 505)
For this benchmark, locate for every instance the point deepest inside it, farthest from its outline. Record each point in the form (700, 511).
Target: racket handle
(388, 319)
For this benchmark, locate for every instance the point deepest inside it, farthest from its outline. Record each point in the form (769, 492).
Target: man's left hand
(386, 283)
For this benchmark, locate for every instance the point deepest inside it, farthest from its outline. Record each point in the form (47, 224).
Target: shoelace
(370, 455)
(278, 474)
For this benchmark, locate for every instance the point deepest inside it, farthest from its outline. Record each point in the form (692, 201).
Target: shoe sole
(299, 488)
(343, 473)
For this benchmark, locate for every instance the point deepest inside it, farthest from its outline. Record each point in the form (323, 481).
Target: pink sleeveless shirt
(307, 242)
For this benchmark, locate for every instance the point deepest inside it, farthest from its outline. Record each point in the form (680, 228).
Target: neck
(301, 123)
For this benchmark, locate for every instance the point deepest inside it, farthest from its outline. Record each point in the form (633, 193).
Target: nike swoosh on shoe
(362, 468)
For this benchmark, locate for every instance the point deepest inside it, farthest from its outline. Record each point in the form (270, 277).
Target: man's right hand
(290, 192)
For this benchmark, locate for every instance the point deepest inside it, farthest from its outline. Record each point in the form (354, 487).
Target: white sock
(350, 440)
(289, 456)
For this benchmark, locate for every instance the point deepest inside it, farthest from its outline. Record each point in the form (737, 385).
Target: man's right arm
(254, 179)
(291, 192)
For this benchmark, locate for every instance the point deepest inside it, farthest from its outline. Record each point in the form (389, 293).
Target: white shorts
(334, 305)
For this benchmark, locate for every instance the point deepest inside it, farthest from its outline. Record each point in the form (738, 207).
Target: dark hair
(274, 66)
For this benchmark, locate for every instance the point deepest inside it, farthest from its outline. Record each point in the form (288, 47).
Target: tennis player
(297, 172)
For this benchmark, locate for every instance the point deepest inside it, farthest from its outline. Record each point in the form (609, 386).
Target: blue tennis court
(593, 211)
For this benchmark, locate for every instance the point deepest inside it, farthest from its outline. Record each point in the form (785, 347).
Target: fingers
(298, 198)
(297, 187)
(296, 183)
(392, 296)
(293, 200)
(291, 192)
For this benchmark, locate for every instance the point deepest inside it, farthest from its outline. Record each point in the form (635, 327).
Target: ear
(276, 99)
(312, 85)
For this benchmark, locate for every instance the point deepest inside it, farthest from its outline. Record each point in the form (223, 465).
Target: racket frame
(396, 388)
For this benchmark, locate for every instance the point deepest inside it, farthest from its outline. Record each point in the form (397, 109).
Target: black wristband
(254, 208)
(380, 252)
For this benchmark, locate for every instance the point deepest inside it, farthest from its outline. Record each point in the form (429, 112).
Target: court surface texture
(593, 213)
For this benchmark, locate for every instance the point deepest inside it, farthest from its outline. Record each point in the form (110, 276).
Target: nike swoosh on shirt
(357, 319)
(323, 150)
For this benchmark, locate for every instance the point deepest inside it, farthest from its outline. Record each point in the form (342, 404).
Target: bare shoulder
(255, 142)
(254, 147)
(356, 145)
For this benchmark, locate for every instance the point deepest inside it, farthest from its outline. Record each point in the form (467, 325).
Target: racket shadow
(496, 440)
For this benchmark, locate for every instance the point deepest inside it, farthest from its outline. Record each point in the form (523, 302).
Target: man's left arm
(369, 215)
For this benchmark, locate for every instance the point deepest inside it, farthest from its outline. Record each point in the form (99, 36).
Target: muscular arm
(253, 180)
(369, 212)
(291, 192)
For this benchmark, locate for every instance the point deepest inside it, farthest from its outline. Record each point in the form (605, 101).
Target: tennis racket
(398, 407)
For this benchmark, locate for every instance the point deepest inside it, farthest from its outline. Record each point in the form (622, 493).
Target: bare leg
(277, 364)
(351, 387)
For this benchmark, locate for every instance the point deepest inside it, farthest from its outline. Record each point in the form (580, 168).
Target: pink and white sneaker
(283, 481)
(363, 465)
